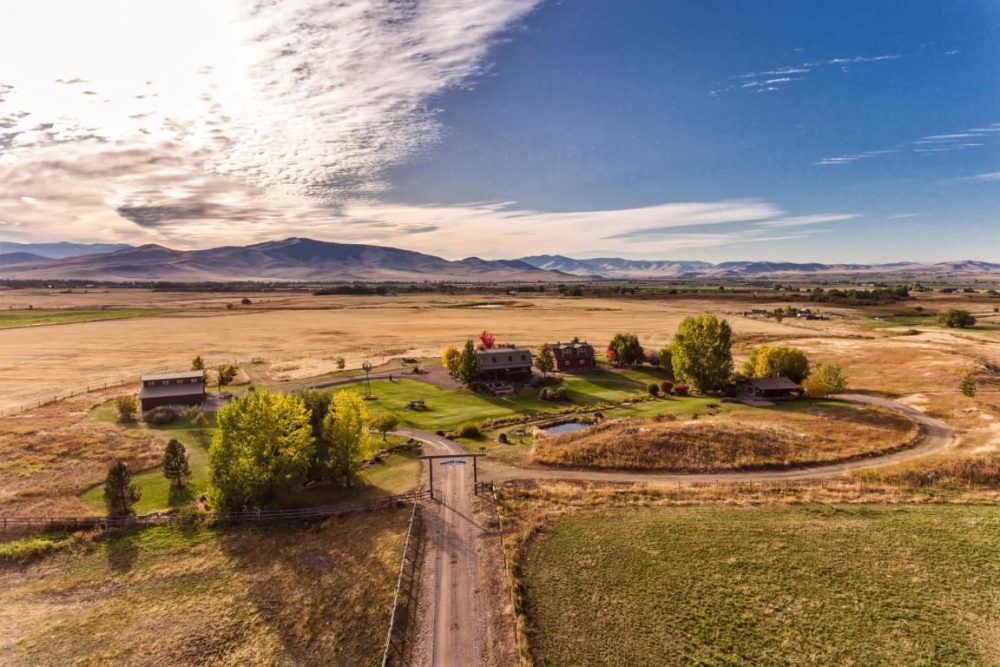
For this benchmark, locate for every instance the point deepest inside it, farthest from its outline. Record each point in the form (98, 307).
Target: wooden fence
(403, 607)
(41, 523)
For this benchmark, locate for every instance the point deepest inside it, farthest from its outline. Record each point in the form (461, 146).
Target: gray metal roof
(167, 390)
(504, 357)
(179, 375)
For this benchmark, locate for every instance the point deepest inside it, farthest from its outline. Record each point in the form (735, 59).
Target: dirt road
(450, 632)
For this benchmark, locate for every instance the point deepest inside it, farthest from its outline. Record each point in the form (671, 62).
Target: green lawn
(448, 409)
(808, 585)
(398, 473)
(38, 316)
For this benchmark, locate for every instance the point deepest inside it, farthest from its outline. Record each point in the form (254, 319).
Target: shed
(769, 389)
(182, 388)
(505, 364)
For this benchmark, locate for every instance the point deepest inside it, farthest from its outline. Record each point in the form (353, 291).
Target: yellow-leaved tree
(345, 429)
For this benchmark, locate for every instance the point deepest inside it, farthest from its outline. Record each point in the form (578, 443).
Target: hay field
(300, 595)
(739, 441)
(306, 337)
(805, 585)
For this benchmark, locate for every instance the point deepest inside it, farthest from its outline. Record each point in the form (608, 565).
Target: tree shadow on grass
(122, 553)
(180, 496)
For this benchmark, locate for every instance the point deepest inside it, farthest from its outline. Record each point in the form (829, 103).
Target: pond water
(571, 427)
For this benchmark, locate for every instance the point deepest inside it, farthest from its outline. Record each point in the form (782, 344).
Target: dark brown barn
(575, 356)
(769, 389)
(184, 388)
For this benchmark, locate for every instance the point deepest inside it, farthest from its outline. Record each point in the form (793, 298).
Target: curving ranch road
(451, 633)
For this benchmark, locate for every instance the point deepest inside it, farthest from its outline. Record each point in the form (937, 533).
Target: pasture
(318, 594)
(792, 585)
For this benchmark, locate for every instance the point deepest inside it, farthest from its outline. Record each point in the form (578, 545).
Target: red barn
(574, 356)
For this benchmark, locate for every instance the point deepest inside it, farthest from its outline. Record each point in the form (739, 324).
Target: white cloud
(935, 143)
(989, 177)
(777, 79)
(801, 220)
(175, 118)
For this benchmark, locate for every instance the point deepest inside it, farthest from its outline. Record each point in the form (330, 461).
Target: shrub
(666, 387)
(955, 318)
(160, 416)
(469, 431)
(503, 439)
(246, 301)
(545, 394)
(127, 407)
(560, 394)
(653, 389)
(681, 389)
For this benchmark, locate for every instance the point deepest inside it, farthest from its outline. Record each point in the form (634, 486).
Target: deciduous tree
(956, 318)
(450, 358)
(832, 377)
(626, 350)
(261, 451)
(815, 387)
(175, 465)
(968, 387)
(346, 429)
(487, 341)
(127, 407)
(777, 361)
(225, 374)
(120, 494)
(702, 353)
(545, 361)
(383, 422)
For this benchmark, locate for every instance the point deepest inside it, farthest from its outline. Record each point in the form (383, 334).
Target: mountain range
(299, 259)
(293, 259)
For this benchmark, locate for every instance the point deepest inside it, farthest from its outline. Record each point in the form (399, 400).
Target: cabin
(184, 388)
(574, 356)
(769, 389)
(505, 364)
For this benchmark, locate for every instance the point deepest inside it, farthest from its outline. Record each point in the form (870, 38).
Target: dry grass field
(739, 441)
(52, 454)
(303, 336)
(301, 595)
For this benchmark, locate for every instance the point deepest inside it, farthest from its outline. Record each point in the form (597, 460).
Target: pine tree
(120, 494)
(198, 364)
(175, 464)
(468, 365)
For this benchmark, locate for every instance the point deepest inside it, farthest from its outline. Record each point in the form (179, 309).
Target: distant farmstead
(159, 389)
(574, 356)
(769, 389)
(505, 364)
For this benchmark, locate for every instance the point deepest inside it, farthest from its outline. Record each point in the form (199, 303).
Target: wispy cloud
(803, 220)
(989, 177)
(276, 112)
(975, 137)
(772, 80)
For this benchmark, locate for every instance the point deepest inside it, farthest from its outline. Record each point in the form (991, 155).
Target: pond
(560, 429)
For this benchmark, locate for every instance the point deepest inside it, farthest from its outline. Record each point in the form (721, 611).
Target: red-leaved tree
(487, 341)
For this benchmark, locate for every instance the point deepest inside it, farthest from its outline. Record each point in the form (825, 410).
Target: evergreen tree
(120, 494)
(468, 364)
(175, 464)
(198, 364)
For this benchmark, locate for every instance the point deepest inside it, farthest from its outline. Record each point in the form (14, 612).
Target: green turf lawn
(38, 316)
(447, 409)
(399, 473)
(807, 585)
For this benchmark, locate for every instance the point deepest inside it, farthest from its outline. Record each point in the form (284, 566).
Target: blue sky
(814, 131)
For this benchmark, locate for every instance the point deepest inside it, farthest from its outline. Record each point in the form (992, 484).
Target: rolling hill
(294, 259)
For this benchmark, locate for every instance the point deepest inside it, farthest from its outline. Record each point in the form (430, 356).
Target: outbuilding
(769, 389)
(184, 388)
(573, 356)
(504, 364)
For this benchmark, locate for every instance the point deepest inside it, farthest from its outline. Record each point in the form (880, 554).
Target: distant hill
(295, 259)
(16, 257)
(628, 269)
(59, 250)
